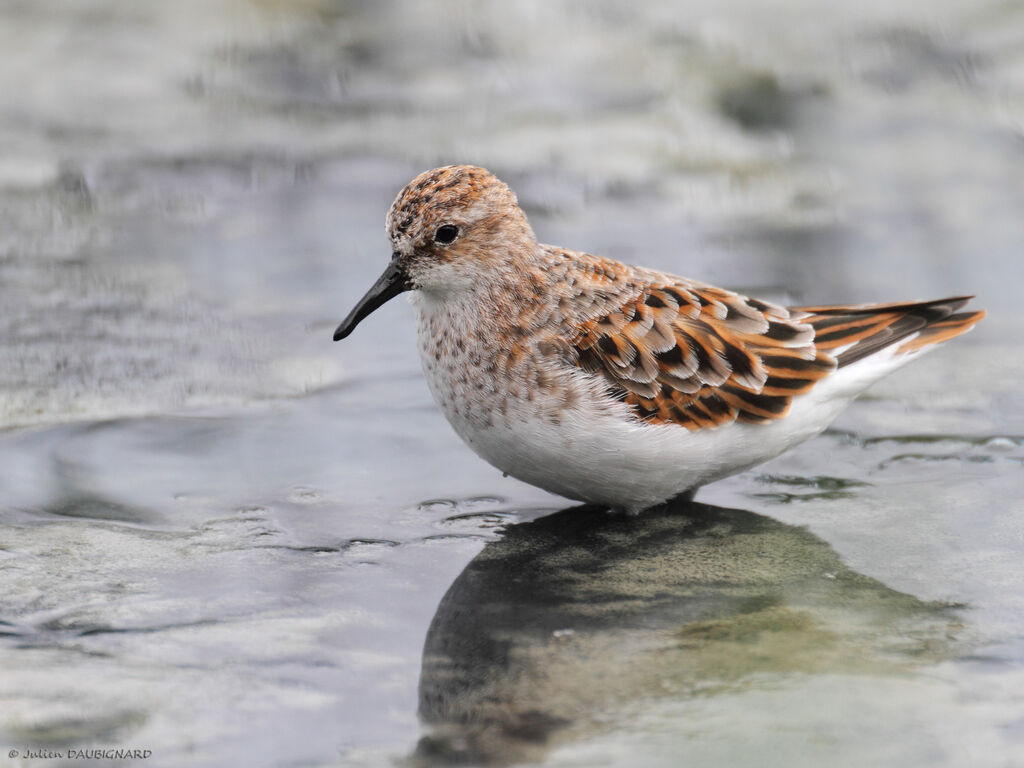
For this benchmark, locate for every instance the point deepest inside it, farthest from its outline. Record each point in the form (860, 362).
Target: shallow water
(229, 541)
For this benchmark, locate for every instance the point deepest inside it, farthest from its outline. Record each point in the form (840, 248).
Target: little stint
(613, 384)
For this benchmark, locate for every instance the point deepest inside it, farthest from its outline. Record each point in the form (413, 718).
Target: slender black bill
(388, 285)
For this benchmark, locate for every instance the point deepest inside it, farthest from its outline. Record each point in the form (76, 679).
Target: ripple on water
(472, 513)
(943, 448)
(818, 487)
(478, 520)
(366, 547)
(436, 506)
(305, 495)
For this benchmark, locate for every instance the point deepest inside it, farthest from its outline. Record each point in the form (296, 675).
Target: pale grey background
(223, 537)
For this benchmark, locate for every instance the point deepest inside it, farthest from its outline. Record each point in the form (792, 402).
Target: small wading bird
(613, 384)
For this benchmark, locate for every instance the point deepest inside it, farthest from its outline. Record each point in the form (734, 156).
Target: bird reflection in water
(567, 619)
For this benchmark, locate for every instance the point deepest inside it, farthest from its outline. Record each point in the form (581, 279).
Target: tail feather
(851, 333)
(936, 333)
(953, 303)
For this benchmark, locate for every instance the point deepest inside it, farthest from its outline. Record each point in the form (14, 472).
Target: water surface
(227, 540)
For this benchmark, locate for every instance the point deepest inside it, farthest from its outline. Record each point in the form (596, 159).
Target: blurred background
(223, 537)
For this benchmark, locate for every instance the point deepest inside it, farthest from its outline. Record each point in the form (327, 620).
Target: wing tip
(941, 331)
(954, 302)
(855, 332)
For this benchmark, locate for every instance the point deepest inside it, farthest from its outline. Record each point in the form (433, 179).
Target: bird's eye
(446, 233)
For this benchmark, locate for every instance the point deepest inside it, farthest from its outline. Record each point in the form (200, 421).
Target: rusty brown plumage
(690, 354)
(854, 332)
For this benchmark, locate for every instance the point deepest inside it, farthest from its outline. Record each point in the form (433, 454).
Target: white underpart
(597, 452)
(626, 464)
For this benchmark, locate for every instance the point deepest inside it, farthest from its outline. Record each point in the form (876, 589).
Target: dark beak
(388, 285)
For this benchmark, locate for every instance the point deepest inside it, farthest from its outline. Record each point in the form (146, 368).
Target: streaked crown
(467, 198)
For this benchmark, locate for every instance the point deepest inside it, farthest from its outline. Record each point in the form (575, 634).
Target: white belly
(625, 464)
(576, 441)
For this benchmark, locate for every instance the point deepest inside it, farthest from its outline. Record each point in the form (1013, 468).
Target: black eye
(446, 233)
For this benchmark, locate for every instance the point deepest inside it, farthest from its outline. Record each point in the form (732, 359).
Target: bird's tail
(851, 333)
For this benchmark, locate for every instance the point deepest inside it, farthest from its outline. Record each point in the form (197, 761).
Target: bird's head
(449, 228)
